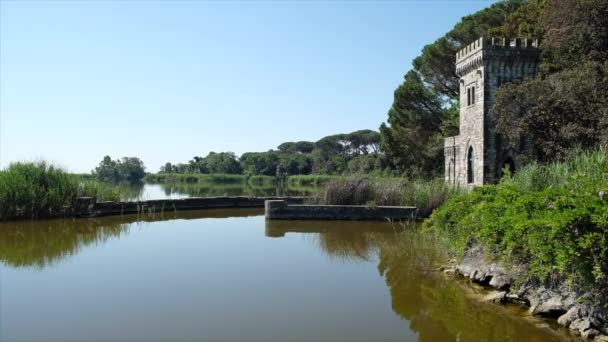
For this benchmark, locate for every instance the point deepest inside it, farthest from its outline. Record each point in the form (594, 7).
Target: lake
(230, 275)
(150, 191)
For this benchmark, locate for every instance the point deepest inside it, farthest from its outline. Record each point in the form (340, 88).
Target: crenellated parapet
(473, 55)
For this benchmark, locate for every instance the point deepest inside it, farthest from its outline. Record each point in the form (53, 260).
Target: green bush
(551, 218)
(40, 189)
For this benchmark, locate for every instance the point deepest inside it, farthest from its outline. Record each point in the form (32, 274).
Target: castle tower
(478, 155)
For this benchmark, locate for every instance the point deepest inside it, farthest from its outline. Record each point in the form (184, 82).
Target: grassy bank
(263, 181)
(426, 195)
(310, 180)
(40, 189)
(298, 180)
(552, 218)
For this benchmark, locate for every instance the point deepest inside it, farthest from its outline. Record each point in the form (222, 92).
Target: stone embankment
(89, 207)
(572, 310)
(283, 210)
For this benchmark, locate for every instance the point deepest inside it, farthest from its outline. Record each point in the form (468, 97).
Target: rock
(551, 308)
(500, 282)
(590, 333)
(450, 272)
(584, 328)
(585, 324)
(566, 319)
(477, 268)
(497, 297)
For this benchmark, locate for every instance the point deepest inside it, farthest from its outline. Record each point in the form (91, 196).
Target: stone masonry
(478, 155)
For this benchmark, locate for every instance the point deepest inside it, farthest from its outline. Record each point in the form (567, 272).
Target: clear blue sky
(167, 80)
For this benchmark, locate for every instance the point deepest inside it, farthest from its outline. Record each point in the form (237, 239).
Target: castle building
(478, 155)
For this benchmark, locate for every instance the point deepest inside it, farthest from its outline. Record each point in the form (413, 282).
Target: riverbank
(540, 237)
(253, 180)
(38, 189)
(583, 313)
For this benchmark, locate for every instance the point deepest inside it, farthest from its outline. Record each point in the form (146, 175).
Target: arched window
(470, 166)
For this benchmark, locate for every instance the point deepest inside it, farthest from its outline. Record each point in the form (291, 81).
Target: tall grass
(310, 180)
(425, 195)
(40, 189)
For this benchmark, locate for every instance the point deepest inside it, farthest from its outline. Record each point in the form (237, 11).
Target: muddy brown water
(229, 275)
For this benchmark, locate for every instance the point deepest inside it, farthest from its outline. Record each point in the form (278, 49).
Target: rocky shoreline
(572, 310)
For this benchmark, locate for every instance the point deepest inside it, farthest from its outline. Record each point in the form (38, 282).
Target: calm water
(147, 191)
(231, 276)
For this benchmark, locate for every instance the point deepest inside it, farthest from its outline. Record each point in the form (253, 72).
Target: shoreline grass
(552, 218)
(40, 189)
(194, 178)
(358, 190)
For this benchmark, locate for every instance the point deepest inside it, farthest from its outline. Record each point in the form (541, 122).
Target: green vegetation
(263, 181)
(125, 169)
(40, 189)
(356, 152)
(310, 180)
(565, 107)
(425, 195)
(553, 218)
(195, 178)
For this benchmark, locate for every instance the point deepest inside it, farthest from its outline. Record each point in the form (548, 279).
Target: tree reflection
(352, 240)
(46, 242)
(439, 309)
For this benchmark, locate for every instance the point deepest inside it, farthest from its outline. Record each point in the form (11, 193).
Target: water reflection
(339, 239)
(45, 242)
(148, 191)
(430, 306)
(437, 309)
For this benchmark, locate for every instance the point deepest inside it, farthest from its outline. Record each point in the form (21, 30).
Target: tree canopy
(127, 168)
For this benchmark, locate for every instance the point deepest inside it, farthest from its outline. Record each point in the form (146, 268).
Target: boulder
(566, 319)
(552, 307)
(590, 333)
(497, 297)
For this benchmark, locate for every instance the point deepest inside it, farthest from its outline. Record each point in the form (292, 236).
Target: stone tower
(477, 156)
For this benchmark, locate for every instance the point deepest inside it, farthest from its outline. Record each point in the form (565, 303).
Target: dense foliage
(425, 106)
(563, 108)
(356, 152)
(566, 106)
(553, 218)
(40, 189)
(127, 168)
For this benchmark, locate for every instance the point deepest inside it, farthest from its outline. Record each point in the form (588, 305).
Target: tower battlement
(472, 56)
(505, 43)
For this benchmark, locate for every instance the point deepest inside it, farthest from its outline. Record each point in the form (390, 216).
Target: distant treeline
(351, 153)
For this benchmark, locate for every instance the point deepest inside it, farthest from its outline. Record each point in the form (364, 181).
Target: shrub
(551, 218)
(40, 189)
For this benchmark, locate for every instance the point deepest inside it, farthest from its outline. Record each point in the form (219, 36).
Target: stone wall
(281, 210)
(118, 208)
(484, 66)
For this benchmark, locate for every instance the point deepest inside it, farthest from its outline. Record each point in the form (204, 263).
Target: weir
(283, 210)
(89, 207)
